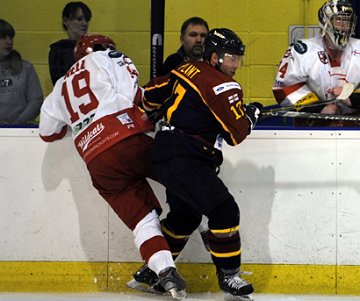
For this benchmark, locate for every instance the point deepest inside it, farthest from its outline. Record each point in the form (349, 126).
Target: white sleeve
(50, 127)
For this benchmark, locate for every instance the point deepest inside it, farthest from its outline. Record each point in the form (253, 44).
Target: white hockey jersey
(96, 100)
(306, 75)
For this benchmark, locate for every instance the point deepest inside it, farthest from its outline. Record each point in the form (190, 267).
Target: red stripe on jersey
(56, 136)
(152, 246)
(281, 93)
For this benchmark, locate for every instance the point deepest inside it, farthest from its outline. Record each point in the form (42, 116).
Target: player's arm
(157, 91)
(50, 128)
(229, 110)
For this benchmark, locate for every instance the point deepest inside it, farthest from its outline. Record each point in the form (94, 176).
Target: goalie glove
(253, 113)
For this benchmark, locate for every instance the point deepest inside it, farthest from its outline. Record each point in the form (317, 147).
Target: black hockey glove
(253, 113)
(154, 116)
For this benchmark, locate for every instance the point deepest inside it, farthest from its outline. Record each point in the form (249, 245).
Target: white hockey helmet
(337, 19)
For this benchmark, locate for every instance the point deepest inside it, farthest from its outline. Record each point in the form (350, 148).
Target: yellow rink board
(112, 277)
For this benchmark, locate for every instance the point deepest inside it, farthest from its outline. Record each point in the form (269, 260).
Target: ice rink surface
(148, 297)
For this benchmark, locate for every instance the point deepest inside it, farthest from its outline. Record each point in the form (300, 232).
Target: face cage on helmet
(340, 37)
(327, 14)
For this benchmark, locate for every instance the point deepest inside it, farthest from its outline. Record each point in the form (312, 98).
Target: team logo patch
(323, 57)
(300, 47)
(125, 118)
(115, 54)
(287, 53)
(226, 87)
(278, 84)
(233, 98)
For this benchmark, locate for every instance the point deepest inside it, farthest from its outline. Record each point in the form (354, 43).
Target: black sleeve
(60, 60)
(170, 63)
(53, 65)
(355, 100)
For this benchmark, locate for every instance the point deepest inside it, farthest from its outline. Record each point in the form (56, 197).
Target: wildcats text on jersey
(90, 135)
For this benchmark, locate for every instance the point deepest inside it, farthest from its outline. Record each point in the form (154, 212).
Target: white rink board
(298, 192)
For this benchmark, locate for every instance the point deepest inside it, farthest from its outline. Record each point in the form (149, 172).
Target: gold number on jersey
(179, 92)
(237, 110)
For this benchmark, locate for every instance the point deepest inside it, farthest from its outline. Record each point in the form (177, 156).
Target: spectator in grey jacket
(20, 91)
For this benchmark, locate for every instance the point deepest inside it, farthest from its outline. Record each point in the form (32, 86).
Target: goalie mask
(221, 41)
(89, 43)
(337, 20)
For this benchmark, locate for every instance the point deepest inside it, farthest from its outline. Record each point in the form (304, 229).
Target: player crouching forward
(96, 100)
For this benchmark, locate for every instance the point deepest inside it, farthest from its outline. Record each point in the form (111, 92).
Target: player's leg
(118, 176)
(180, 222)
(225, 248)
(195, 181)
(176, 233)
(158, 260)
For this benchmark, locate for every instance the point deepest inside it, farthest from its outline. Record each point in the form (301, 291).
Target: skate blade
(229, 297)
(133, 284)
(177, 295)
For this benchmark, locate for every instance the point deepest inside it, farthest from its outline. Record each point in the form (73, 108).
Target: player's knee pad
(147, 228)
(177, 233)
(224, 236)
(182, 224)
(225, 215)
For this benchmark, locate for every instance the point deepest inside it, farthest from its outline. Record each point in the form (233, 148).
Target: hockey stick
(319, 116)
(347, 90)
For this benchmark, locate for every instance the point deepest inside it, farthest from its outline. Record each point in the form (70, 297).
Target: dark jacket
(61, 58)
(172, 61)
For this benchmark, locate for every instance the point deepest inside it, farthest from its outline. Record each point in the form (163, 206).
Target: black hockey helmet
(222, 40)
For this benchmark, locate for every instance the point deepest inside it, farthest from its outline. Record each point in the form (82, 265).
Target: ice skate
(146, 280)
(235, 288)
(172, 282)
(229, 297)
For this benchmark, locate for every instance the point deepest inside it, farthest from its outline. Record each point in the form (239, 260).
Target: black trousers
(193, 189)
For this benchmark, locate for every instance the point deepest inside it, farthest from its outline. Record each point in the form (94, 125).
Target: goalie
(317, 69)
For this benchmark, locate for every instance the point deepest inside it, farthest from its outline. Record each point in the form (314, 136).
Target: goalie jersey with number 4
(317, 68)
(305, 72)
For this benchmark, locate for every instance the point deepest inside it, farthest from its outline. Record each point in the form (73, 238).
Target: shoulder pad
(300, 47)
(115, 54)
